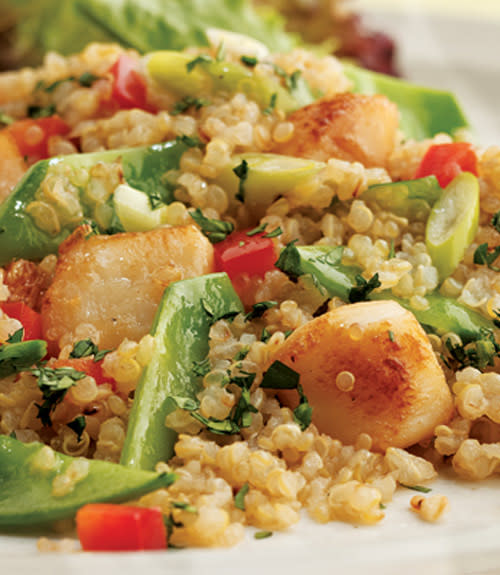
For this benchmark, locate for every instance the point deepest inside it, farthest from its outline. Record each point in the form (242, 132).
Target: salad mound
(236, 285)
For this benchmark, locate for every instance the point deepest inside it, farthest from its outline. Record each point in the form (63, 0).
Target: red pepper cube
(110, 527)
(242, 254)
(447, 161)
(30, 319)
(129, 86)
(32, 135)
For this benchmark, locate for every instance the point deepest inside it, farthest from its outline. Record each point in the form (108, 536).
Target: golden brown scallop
(352, 127)
(112, 285)
(369, 368)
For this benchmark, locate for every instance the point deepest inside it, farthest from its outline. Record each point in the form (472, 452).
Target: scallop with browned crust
(352, 127)
(369, 368)
(109, 287)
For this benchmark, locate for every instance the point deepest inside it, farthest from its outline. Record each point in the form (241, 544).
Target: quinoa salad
(235, 290)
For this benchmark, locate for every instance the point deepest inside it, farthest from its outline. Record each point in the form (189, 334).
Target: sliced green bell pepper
(424, 112)
(324, 264)
(411, 199)
(181, 327)
(29, 496)
(143, 169)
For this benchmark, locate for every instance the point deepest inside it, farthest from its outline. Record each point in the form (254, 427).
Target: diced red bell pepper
(86, 365)
(242, 254)
(32, 135)
(30, 319)
(447, 161)
(129, 86)
(109, 527)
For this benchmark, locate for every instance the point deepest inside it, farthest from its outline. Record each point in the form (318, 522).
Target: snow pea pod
(38, 215)
(424, 112)
(33, 490)
(181, 327)
(324, 264)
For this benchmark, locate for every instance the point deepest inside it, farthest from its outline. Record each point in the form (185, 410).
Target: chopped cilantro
(242, 172)
(274, 233)
(272, 104)
(291, 81)
(302, 414)
(92, 228)
(382, 506)
(391, 335)
(17, 336)
(363, 288)
(54, 384)
(258, 230)
(242, 353)
(289, 261)
(217, 426)
(201, 59)
(265, 335)
(214, 230)
(87, 79)
(420, 488)
(259, 308)
(478, 354)
(495, 221)
(280, 376)
(41, 111)
(5, 119)
(78, 426)
(186, 403)
(85, 348)
(250, 61)
(262, 534)
(201, 368)
(189, 102)
(484, 255)
(189, 141)
(214, 315)
(185, 506)
(239, 498)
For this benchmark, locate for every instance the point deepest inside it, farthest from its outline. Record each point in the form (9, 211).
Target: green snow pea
(181, 327)
(28, 483)
(424, 112)
(20, 355)
(189, 76)
(324, 264)
(411, 199)
(33, 222)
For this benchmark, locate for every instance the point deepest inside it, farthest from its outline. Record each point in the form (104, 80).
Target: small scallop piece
(398, 394)
(352, 127)
(115, 283)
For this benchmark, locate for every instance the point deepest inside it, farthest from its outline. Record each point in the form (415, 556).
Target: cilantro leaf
(363, 288)
(280, 376)
(201, 59)
(272, 104)
(189, 102)
(420, 488)
(302, 414)
(54, 383)
(201, 368)
(289, 261)
(484, 255)
(239, 498)
(78, 426)
(242, 172)
(262, 534)
(17, 336)
(217, 426)
(5, 119)
(86, 348)
(41, 111)
(259, 308)
(185, 506)
(214, 230)
(274, 233)
(495, 221)
(478, 354)
(258, 230)
(250, 61)
(189, 141)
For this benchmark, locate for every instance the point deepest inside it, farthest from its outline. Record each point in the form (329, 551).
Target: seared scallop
(109, 287)
(352, 127)
(369, 368)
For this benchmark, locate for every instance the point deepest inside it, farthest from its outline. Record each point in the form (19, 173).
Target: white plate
(448, 52)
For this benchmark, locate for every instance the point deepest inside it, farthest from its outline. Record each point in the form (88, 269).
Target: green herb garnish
(201, 59)
(262, 534)
(239, 498)
(242, 172)
(363, 289)
(250, 61)
(420, 488)
(5, 119)
(189, 102)
(214, 230)
(484, 255)
(41, 111)
(272, 104)
(78, 426)
(259, 308)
